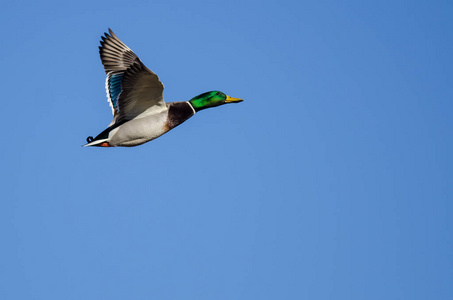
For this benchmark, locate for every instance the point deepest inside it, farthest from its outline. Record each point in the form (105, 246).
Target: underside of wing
(141, 93)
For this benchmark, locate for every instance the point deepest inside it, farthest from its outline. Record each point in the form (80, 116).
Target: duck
(135, 95)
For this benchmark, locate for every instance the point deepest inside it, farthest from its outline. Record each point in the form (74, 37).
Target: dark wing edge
(115, 55)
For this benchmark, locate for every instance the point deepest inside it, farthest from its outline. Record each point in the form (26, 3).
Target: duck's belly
(139, 131)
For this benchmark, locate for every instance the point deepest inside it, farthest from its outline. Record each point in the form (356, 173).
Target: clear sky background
(332, 180)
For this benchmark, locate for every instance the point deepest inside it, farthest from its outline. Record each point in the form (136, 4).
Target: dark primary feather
(115, 55)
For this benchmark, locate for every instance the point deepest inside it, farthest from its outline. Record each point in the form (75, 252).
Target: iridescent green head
(211, 99)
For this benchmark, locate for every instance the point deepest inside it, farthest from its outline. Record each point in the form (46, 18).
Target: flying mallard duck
(135, 95)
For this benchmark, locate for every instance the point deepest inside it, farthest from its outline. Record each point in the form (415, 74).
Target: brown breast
(178, 112)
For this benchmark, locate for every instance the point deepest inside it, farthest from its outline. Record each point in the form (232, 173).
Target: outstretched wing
(132, 89)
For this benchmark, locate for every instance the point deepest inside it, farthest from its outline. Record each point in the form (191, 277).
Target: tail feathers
(96, 143)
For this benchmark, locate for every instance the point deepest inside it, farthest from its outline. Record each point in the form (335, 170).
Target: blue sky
(332, 180)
